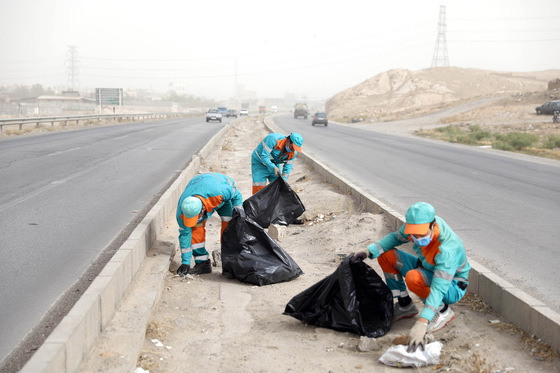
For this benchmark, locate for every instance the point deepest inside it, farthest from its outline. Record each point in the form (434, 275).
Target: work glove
(360, 255)
(277, 172)
(183, 270)
(416, 337)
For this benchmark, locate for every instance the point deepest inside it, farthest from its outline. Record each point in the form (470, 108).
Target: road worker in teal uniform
(438, 274)
(204, 195)
(274, 157)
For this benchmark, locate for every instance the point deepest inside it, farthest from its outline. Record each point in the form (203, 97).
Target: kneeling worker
(203, 195)
(275, 151)
(438, 275)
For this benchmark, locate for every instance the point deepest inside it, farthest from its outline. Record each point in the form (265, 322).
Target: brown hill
(399, 93)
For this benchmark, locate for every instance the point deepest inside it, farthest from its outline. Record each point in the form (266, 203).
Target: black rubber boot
(201, 268)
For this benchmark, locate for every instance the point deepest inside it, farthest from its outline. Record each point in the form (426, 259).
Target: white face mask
(288, 149)
(423, 241)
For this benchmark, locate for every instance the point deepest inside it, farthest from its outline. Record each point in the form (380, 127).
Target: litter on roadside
(397, 356)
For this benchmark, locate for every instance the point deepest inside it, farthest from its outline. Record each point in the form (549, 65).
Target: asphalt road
(66, 196)
(505, 207)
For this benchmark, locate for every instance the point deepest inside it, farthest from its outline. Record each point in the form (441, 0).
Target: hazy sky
(312, 48)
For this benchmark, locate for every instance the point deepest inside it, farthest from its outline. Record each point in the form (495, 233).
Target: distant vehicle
(222, 110)
(214, 114)
(274, 108)
(320, 118)
(243, 112)
(548, 108)
(231, 113)
(262, 109)
(301, 110)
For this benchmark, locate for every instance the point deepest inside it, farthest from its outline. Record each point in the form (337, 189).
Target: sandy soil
(211, 324)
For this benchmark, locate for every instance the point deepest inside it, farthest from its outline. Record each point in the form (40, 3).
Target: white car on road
(213, 114)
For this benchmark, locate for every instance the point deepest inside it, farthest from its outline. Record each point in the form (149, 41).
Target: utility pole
(440, 57)
(235, 90)
(72, 68)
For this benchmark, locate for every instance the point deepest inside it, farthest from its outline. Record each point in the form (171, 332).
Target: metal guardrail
(20, 122)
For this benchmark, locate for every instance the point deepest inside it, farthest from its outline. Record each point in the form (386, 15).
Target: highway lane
(65, 196)
(505, 207)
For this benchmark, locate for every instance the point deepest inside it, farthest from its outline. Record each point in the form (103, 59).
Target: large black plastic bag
(352, 299)
(251, 255)
(276, 203)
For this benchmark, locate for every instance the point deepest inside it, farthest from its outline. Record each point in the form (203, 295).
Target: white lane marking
(63, 151)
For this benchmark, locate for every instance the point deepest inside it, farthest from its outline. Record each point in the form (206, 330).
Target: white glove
(277, 172)
(416, 337)
(360, 255)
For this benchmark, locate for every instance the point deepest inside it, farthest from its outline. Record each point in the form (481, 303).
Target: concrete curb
(514, 305)
(72, 339)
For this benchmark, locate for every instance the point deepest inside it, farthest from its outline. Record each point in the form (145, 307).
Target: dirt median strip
(210, 323)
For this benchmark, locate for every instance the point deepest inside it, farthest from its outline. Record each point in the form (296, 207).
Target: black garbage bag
(352, 299)
(277, 203)
(251, 255)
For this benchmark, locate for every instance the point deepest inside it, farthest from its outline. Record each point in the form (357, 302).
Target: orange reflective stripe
(212, 202)
(198, 234)
(432, 249)
(224, 226)
(256, 188)
(280, 144)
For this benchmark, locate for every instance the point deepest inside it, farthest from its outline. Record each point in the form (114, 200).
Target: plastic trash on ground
(352, 299)
(250, 255)
(396, 356)
(276, 203)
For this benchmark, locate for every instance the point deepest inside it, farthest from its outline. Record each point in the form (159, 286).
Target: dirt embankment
(400, 94)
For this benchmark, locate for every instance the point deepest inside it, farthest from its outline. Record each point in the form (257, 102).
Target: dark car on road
(231, 113)
(549, 108)
(320, 118)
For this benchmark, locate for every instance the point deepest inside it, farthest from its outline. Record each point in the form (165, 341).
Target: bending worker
(204, 194)
(275, 151)
(438, 275)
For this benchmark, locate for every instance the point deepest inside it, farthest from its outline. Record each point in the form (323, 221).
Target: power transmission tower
(72, 68)
(440, 52)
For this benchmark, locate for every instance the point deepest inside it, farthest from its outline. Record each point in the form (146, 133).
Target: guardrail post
(20, 126)
(52, 123)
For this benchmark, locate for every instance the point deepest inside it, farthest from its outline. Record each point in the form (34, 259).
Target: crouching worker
(438, 275)
(275, 151)
(203, 195)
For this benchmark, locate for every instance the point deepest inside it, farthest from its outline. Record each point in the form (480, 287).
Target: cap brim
(416, 228)
(296, 148)
(190, 222)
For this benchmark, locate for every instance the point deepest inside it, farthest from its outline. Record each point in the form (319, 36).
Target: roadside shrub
(516, 140)
(502, 145)
(477, 134)
(552, 142)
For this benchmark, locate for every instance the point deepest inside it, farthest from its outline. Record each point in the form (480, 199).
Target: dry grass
(536, 347)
